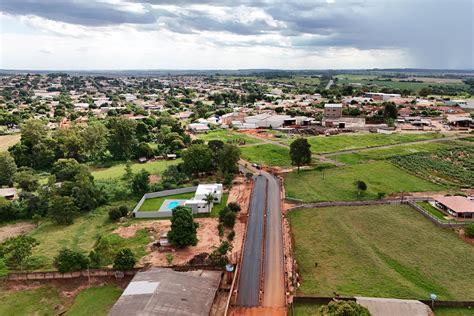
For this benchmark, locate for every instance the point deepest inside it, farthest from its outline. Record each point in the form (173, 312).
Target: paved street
(249, 283)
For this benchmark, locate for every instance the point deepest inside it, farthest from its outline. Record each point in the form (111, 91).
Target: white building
(198, 203)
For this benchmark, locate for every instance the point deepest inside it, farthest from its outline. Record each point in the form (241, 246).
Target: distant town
(237, 193)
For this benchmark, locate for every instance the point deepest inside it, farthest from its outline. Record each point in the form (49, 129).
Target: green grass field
(40, 301)
(380, 251)
(117, 171)
(385, 153)
(8, 140)
(330, 144)
(229, 136)
(82, 234)
(431, 209)
(267, 155)
(337, 184)
(95, 301)
(154, 204)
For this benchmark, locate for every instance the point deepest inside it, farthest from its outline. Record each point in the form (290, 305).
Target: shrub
(229, 219)
(343, 308)
(169, 258)
(469, 230)
(195, 182)
(70, 260)
(219, 256)
(220, 229)
(381, 195)
(114, 214)
(234, 207)
(124, 260)
(231, 235)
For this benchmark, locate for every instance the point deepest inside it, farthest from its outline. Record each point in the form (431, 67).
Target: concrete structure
(332, 110)
(198, 127)
(393, 307)
(457, 206)
(9, 193)
(266, 120)
(197, 204)
(162, 291)
(381, 96)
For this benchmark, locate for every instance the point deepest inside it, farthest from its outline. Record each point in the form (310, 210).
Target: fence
(51, 275)
(323, 300)
(433, 218)
(357, 203)
(152, 195)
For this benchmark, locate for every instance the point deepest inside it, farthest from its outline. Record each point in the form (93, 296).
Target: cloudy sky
(233, 34)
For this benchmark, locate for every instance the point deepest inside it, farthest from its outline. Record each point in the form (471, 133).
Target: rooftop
(459, 204)
(162, 291)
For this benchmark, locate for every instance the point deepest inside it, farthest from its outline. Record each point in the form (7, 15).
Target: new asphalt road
(250, 273)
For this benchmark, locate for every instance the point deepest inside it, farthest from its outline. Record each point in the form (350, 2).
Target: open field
(8, 140)
(267, 155)
(380, 251)
(395, 84)
(154, 204)
(449, 166)
(95, 301)
(329, 144)
(82, 234)
(39, 301)
(401, 150)
(337, 184)
(229, 136)
(117, 171)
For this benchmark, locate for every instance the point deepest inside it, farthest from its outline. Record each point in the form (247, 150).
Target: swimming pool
(173, 204)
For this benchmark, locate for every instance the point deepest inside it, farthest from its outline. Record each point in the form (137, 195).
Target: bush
(381, 195)
(219, 256)
(195, 182)
(234, 207)
(70, 260)
(124, 260)
(231, 235)
(220, 229)
(469, 230)
(115, 213)
(343, 308)
(229, 219)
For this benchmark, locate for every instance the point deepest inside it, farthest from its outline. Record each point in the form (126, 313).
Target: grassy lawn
(39, 301)
(431, 209)
(379, 251)
(154, 204)
(456, 311)
(329, 144)
(305, 309)
(267, 155)
(229, 136)
(337, 184)
(8, 140)
(82, 234)
(95, 301)
(117, 171)
(385, 153)
(216, 208)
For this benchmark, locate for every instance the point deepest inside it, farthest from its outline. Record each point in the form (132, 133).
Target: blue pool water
(173, 204)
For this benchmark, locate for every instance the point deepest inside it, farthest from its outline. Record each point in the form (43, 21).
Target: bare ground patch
(16, 229)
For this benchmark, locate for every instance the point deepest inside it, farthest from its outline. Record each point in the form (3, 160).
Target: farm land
(352, 251)
(118, 170)
(8, 140)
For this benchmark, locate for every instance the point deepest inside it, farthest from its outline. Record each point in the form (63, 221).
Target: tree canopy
(300, 152)
(183, 228)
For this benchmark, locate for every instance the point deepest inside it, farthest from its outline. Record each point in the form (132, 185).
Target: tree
(360, 186)
(209, 198)
(69, 260)
(183, 228)
(122, 139)
(7, 169)
(27, 180)
(36, 219)
(197, 159)
(128, 175)
(390, 111)
(343, 308)
(66, 169)
(300, 152)
(173, 174)
(33, 132)
(85, 194)
(228, 157)
(62, 210)
(70, 144)
(140, 182)
(248, 176)
(219, 256)
(124, 260)
(17, 249)
(469, 230)
(115, 213)
(95, 138)
(234, 207)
